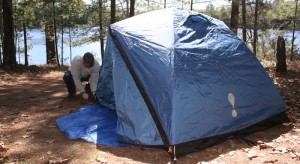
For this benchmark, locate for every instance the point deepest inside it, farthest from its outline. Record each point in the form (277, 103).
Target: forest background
(257, 22)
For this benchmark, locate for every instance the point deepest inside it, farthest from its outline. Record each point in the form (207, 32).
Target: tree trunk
(281, 56)
(62, 32)
(101, 29)
(62, 41)
(244, 20)
(165, 4)
(255, 26)
(0, 57)
(70, 43)
(50, 45)
(55, 32)
(113, 11)
(17, 40)
(25, 43)
(294, 28)
(70, 38)
(9, 49)
(192, 5)
(1, 33)
(49, 33)
(234, 15)
(127, 9)
(263, 49)
(132, 2)
(1, 61)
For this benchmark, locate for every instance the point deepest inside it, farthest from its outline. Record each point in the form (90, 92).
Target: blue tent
(184, 81)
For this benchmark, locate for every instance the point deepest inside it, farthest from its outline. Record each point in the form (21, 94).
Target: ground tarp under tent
(184, 81)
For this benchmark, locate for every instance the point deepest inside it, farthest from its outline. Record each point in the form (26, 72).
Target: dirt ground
(31, 101)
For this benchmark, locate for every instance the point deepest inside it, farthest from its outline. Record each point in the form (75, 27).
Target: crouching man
(83, 68)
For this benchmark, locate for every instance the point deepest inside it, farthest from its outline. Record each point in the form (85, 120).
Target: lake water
(37, 53)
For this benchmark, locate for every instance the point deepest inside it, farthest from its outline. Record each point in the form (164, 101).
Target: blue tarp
(93, 123)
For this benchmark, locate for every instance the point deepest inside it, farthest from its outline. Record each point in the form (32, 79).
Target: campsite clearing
(31, 101)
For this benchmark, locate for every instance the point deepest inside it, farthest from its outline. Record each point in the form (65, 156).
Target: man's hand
(94, 95)
(85, 96)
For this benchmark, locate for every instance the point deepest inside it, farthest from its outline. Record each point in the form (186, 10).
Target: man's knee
(68, 76)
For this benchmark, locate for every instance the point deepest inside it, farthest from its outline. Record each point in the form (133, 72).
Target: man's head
(88, 60)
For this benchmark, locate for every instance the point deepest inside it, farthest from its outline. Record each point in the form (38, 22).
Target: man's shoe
(71, 95)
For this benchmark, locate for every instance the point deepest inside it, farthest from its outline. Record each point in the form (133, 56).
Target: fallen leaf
(52, 126)
(293, 155)
(60, 106)
(102, 160)
(203, 163)
(251, 154)
(58, 161)
(29, 129)
(245, 150)
(18, 143)
(262, 155)
(265, 145)
(4, 158)
(3, 148)
(287, 124)
(260, 142)
(25, 136)
(24, 115)
(280, 150)
(231, 153)
(271, 161)
(295, 137)
(216, 162)
(104, 153)
(280, 139)
(49, 141)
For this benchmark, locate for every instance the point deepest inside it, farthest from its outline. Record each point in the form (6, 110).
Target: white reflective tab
(234, 113)
(231, 99)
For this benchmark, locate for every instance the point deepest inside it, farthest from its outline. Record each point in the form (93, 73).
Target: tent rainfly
(184, 81)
